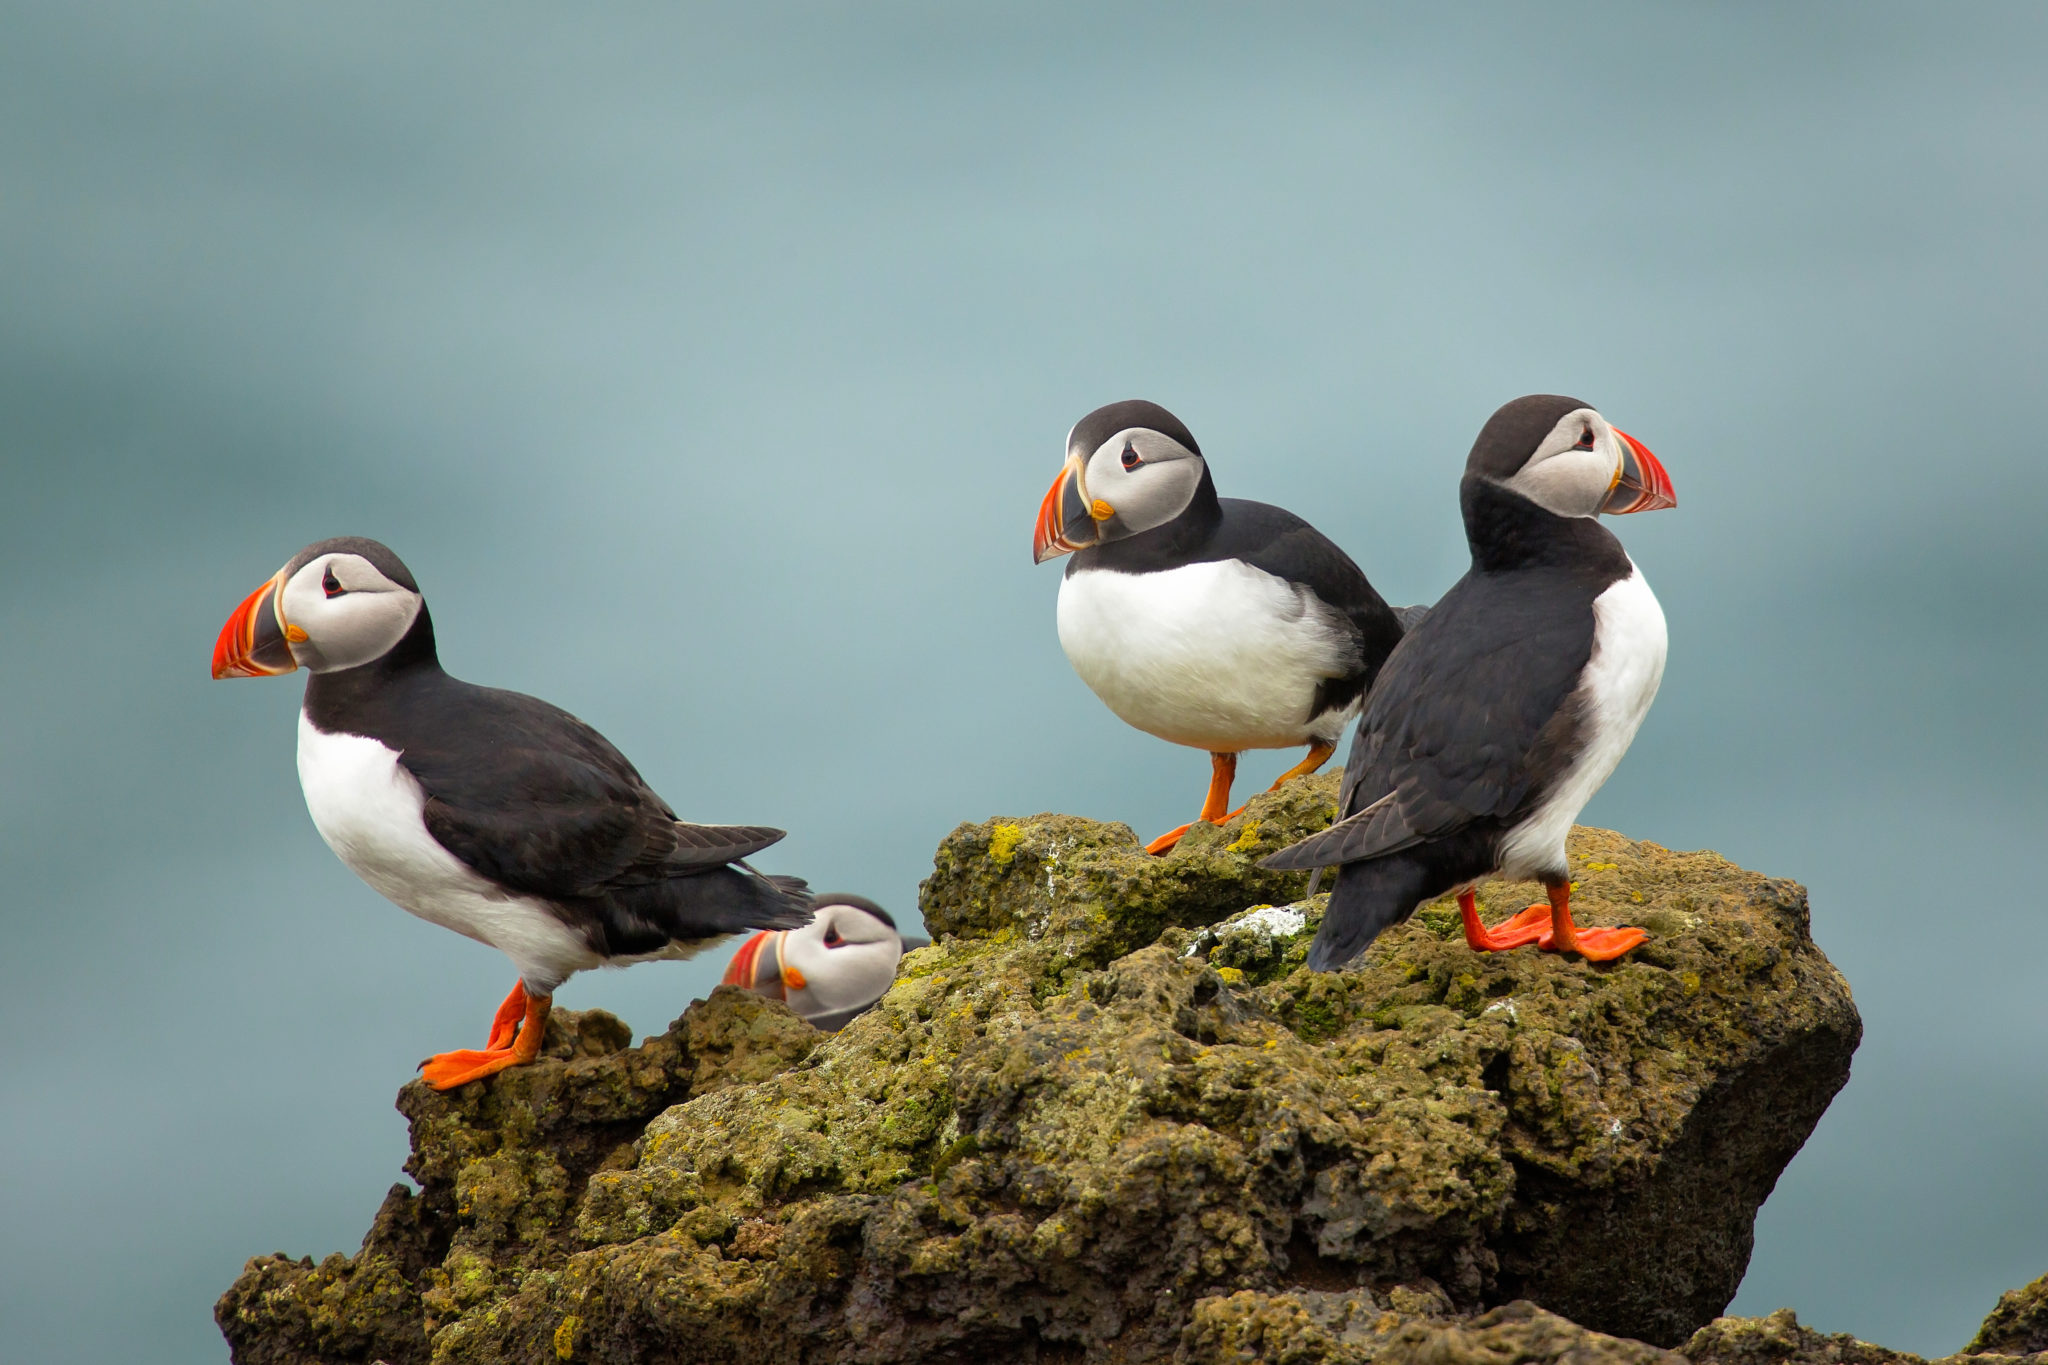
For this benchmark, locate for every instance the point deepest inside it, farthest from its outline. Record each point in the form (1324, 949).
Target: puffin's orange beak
(255, 643)
(1641, 485)
(757, 966)
(1066, 519)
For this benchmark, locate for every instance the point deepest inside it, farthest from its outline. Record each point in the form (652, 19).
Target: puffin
(831, 970)
(1217, 623)
(487, 812)
(1500, 715)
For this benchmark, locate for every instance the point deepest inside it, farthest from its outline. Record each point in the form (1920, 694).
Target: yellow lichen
(1247, 840)
(1002, 843)
(565, 1337)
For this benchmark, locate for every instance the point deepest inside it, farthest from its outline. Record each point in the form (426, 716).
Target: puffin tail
(787, 901)
(1366, 898)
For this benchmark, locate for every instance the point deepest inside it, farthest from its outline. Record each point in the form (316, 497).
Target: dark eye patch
(1131, 457)
(330, 584)
(1585, 440)
(832, 939)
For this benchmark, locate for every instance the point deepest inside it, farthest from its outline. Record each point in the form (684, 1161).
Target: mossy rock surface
(1109, 1117)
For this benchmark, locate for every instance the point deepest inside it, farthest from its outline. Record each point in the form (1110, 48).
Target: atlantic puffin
(831, 970)
(1501, 714)
(1212, 622)
(483, 811)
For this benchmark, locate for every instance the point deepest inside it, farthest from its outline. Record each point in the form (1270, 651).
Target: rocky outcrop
(1109, 1117)
(2018, 1325)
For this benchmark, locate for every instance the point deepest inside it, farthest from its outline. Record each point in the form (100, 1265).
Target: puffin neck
(1170, 542)
(1506, 532)
(334, 695)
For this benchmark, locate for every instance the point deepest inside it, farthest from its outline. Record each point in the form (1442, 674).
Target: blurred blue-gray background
(707, 367)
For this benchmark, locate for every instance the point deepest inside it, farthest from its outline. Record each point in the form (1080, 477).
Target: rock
(1781, 1339)
(2018, 1325)
(1108, 1117)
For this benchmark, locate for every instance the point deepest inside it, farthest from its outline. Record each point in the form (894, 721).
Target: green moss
(1111, 1110)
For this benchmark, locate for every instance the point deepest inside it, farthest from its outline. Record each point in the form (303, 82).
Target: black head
(337, 605)
(377, 554)
(1562, 455)
(1131, 467)
(858, 903)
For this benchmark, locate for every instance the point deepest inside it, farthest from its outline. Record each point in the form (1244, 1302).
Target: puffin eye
(1585, 440)
(1131, 458)
(330, 583)
(832, 939)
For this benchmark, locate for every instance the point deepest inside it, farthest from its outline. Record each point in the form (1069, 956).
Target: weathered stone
(1781, 1339)
(1109, 1117)
(2018, 1325)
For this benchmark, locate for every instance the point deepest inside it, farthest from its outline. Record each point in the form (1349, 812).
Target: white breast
(1619, 683)
(1219, 655)
(367, 808)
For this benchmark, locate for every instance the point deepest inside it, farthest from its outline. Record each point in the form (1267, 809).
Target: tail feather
(790, 901)
(1366, 898)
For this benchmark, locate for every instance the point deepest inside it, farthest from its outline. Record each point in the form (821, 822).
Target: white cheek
(1152, 495)
(1572, 484)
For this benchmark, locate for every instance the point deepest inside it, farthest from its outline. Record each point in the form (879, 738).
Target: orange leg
(447, 1070)
(1222, 772)
(1318, 755)
(1529, 926)
(506, 1022)
(1594, 945)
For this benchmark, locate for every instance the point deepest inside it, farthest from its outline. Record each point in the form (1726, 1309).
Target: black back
(540, 803)
(1475, 714)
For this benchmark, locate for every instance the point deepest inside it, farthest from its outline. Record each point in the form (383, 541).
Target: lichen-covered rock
(1781, 1339)
(1109, 1117)
(2018, 1325)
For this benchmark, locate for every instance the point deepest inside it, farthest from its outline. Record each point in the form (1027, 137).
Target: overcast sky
(707, 368)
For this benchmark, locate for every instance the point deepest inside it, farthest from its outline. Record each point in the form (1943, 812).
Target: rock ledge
(1107, 1117)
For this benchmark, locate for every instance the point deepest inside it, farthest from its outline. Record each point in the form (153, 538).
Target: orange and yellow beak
(1640, 485)
(1068, 519)
(257, 642)
(758, 967)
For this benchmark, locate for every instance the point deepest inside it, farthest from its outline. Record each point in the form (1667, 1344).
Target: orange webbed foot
(1165, 842)
(1594, 945)
(446, 1070)
(522, 1033)
(1600, 945)
(1524, 927)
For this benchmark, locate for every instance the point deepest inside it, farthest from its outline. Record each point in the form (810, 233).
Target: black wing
(1469, 713)
(539, 802)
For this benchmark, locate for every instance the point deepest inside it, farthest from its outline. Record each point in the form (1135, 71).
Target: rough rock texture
(2019, 1324)
(1107, 1117)
(1781, 1339)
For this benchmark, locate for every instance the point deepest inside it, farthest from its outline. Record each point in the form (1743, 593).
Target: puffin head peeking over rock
(1212, 622)
(487, 812)
(831, 970)
(1501, 714)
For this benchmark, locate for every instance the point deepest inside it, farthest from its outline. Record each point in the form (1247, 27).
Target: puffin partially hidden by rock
(833, 969)
(1212, 622)
(1502, 713)
(486, 812)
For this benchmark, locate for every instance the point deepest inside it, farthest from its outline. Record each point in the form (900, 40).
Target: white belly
(1619, 683)
(1219, 656)
(367, 808)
